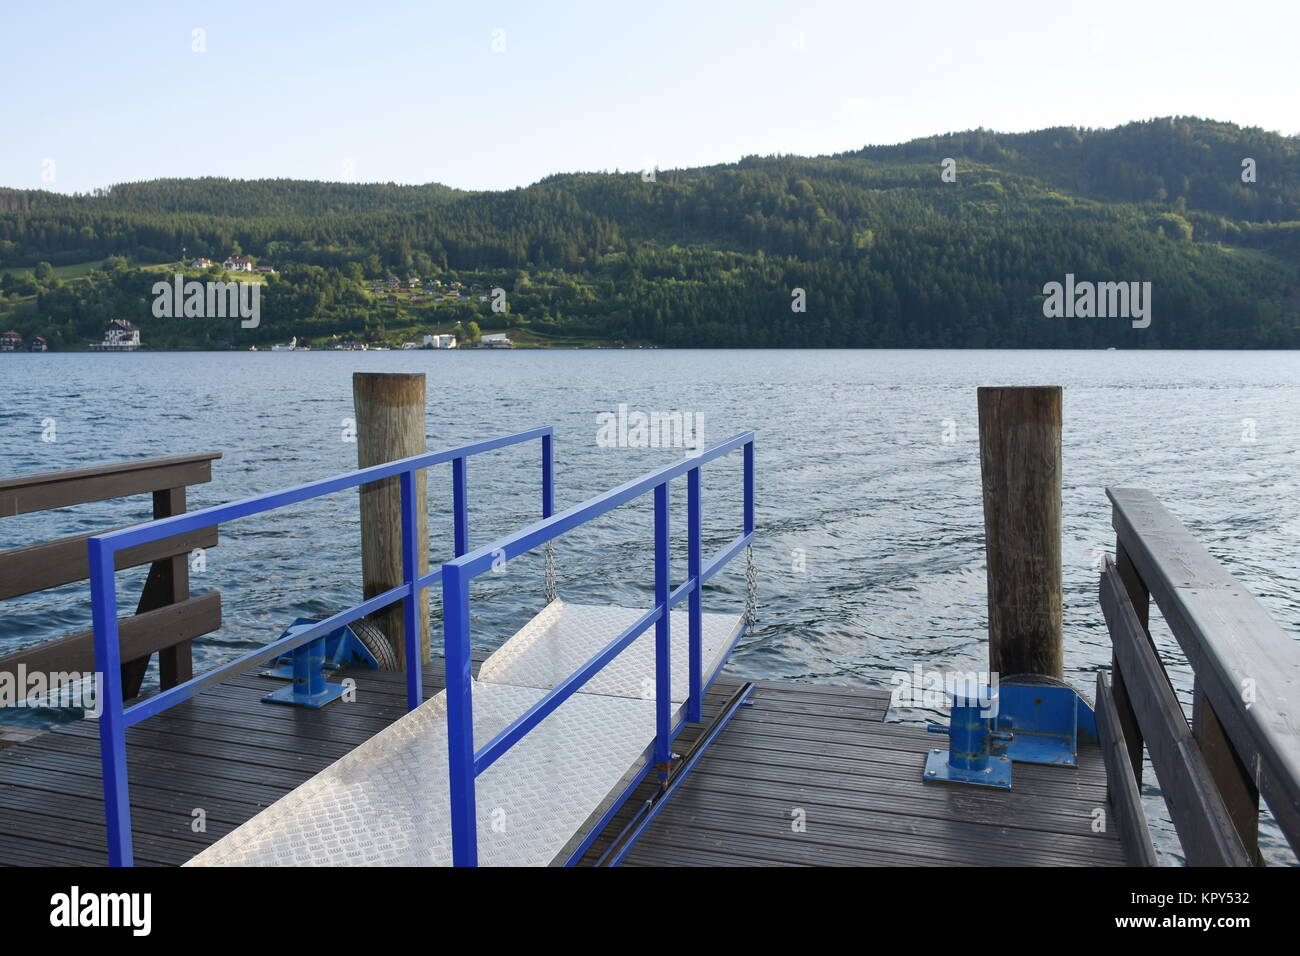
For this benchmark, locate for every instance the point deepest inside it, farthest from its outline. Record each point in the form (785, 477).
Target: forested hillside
(887, 253)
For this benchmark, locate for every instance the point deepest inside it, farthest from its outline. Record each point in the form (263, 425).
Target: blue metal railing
(465, 763)
(115, 717)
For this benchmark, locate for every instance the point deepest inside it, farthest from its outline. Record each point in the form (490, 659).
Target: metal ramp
(387, 803)
(558, 745)
(563, 637)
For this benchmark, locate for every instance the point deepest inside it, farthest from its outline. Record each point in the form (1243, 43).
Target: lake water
(870, 528)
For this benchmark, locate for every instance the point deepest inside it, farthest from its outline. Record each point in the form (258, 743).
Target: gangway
(576, 708)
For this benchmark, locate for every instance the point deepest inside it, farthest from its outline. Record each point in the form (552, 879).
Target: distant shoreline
(653, 348)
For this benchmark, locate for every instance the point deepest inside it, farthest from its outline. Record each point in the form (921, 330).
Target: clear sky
(103, 92)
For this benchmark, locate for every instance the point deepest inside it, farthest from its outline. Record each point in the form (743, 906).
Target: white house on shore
(497, 340)
(440, 341)
(120, 336)
(238, 264)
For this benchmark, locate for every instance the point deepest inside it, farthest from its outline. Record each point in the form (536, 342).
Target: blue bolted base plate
(1048, 723)
(937, 770)
(1053, 749)
(285, 695)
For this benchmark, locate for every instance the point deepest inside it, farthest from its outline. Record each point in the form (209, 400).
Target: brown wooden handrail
(1246, 703)
(37, 567)
(24, 494)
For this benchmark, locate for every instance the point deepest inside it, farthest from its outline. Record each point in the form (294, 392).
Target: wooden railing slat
(1122, 784)
(140, 636)
(1205, 828)
(1141, 601)
(108, 468)
(50, 564)
(28, 493)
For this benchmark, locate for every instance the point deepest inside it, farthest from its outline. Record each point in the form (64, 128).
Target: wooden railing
(1244, 737)
(167, 619)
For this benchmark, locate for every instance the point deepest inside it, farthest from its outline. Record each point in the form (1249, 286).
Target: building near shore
(440, 341)
(10, 342)
(120, 336)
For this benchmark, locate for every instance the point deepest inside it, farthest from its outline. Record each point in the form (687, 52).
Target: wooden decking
(811, 775)
(225, 753)
(817, 754)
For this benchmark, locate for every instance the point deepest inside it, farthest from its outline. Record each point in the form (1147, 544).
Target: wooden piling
(1020, 462)
(390, 425)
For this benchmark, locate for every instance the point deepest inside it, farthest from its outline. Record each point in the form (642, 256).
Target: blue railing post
(411, 624)
(112, 724)
(460, 717)
(663, 644)
(695, 613)
(749, 487)
(548, 477)
(460, 507)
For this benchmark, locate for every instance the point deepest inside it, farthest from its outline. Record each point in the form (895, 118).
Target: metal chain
(548, 553)
(751, 588)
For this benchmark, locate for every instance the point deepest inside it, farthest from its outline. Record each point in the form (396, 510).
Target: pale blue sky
(412, 91)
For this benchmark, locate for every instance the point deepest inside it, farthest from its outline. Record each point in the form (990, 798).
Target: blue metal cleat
(976, 750)
(309, 687)
(305, 666)
(343, 648)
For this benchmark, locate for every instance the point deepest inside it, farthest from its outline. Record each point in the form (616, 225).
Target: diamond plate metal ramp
(386, 802)
(563, 637)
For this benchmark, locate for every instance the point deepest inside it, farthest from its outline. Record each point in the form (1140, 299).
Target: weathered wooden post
(1020, 461)
(168, 583)
(390, 425)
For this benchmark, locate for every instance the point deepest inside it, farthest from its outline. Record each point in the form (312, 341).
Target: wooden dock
(812, 753)
(801, 775)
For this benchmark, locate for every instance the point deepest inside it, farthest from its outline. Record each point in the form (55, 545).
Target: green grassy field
(79, 270)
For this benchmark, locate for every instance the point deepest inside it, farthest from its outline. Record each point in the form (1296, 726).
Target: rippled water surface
(870, 553)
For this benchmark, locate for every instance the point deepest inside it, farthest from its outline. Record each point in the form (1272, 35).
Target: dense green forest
(886, 252)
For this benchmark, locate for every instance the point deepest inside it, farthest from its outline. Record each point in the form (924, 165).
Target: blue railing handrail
(193, 520)
(524, 540)
(102, 548)
(464, 762)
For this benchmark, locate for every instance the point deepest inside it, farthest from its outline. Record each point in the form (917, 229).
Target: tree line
(874, 245)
